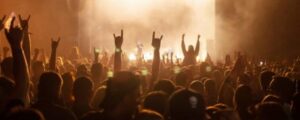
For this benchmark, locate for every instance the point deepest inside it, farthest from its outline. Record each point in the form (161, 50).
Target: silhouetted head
(6, 89)
(210, 86)
(186, 105)
(26, 114)
(83, 89)
(191, 49)
(156, 101)
(265, 79)
(181, 79)
(68, 80)
(98, 96)
(123, 91)
(197, 86)
(82, 71)
(96, 71)
(164, 85)
(270, 111)
(7, 67)
(148, 115)
(75, 53)
(49, 87)
(243, 97)
(283, 87)
(244, 79)
(271, 98)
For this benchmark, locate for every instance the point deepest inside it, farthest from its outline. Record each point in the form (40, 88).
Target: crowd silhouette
(112, 87)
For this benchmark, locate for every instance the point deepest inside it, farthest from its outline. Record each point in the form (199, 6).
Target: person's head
(181, 79)
(7, 67)
(191, 49)
(148, 115)
(210, 86)
(185, 104)
(244, 79)
(164, 85)
(270, 111)
(38, 68)
(122, 92)
(49, 86)
(75, 52)
(68, 80)
(6, 89)
(83, 89)
(96, 71)
(243, 97)
(98, 96)
(156, 101)
(283, 87)
(82, 71)
(197, 86)
(271, 98)
(25, 114)
(265, 79)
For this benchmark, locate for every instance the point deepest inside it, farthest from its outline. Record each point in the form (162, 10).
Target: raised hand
(197, 50)
(119, 40)
(156, 41)
(2, 22)
(239, 66)
(52, 62)
(54, 43)
(24, 22)
(156, 58)
(118, 55)
(96, 54)
(36, 54)
(14, 35)
(182, 37)
(183, 45)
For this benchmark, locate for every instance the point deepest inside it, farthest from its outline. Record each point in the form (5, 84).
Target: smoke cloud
(139, 18)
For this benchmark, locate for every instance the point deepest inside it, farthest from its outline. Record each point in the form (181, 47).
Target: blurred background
(268, 28)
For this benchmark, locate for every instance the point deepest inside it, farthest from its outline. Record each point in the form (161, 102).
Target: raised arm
(21, 72)
(197, 46)
(52, 62)
(156, 57)
(36, 54)
(2, 22)
(118, 52)
(183, 45)
(96, 55)
(26, 38)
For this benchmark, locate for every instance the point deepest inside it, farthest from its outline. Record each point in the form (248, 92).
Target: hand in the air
(182, 37)
(54, 43)
(119, 40)
(14, 35)
(2, 22)
(156, 41)
(24, 22)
